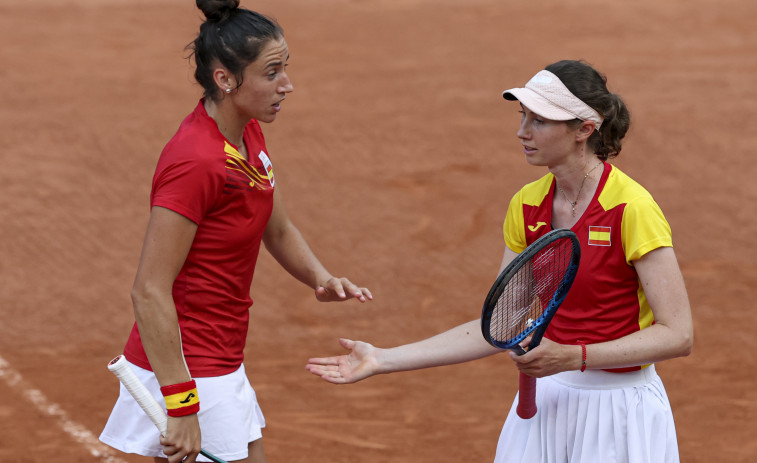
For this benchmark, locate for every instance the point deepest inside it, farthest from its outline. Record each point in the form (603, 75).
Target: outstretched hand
(341, 289)
(359, 364)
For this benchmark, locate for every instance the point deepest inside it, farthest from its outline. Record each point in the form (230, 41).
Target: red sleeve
(189, 186)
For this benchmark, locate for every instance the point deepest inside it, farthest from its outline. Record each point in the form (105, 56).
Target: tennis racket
(119, 367)
(525, 297)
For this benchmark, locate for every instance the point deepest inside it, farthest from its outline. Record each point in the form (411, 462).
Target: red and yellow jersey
(621, 224)
(203, 177)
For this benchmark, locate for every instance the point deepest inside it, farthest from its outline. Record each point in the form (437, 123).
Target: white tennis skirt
(593, 417)
(230, 417)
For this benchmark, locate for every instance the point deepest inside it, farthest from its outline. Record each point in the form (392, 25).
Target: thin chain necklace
(573, 203)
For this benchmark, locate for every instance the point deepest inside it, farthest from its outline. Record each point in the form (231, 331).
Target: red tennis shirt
(620, 225)
(203, 177)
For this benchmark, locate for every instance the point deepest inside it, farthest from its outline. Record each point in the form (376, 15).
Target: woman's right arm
(166, 246)
(460, 344)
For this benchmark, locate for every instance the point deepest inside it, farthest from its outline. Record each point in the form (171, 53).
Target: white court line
(79, 433)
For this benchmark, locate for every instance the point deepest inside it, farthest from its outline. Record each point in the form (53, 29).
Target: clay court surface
(397, 157)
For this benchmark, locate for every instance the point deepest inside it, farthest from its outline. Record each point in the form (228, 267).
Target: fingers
(346, 343)
(341, 289)
(176, 454)
(353, 290)
(323, 361)
(325, 367)
(330, 373)
(362, 294)
(330, 290)
(182, 440)
(331, 368)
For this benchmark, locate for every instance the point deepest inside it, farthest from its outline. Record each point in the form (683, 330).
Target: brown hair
(590, 86)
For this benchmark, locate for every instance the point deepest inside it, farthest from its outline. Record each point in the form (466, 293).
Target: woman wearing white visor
(599, 398)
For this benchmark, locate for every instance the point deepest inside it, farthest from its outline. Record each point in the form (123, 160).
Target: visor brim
(537, 104)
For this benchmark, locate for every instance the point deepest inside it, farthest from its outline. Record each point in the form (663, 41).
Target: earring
(228, 90)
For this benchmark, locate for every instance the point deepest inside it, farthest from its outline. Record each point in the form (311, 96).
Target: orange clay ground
(397, 157)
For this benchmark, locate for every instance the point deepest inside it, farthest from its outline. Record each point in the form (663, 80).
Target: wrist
(383, 362)
(181, 399)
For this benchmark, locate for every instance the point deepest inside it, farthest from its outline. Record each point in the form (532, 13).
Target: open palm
(359, 364)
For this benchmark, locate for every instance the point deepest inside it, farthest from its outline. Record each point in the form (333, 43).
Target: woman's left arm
(287, 245)
(672, 334)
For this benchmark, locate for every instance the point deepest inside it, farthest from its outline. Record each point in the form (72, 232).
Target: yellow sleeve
(644, 228)
(513, 228)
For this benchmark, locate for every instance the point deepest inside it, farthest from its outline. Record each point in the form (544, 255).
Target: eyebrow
(278, 62)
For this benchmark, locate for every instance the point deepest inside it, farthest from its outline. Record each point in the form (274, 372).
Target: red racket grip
(526, 397)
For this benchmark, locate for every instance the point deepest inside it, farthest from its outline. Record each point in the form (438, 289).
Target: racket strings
(529, 292)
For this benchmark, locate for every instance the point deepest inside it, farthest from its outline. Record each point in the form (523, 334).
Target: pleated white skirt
(593, 417)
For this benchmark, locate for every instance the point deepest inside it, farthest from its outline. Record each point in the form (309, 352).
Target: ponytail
(590, 86)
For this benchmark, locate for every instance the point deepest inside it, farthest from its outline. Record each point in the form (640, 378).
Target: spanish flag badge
(599, 236)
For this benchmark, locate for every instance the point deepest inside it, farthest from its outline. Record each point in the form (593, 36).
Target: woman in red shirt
(213, 202)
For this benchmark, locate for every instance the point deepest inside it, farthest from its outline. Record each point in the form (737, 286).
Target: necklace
(573, 203)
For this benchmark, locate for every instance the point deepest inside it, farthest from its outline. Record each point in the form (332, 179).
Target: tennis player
(599, 397)
(214, 199)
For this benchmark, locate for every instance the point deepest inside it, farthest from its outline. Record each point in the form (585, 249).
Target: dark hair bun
(217, 10)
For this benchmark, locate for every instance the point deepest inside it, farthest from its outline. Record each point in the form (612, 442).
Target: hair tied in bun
(217, 10)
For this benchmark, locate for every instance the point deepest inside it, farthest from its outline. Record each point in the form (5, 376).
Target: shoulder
(637, 204)
(526, 206)
(643, 225)
(532, 194)
(620, 189)
(196, 142)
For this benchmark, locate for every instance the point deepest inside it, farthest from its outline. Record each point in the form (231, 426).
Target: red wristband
(181, 399)
(583, 357)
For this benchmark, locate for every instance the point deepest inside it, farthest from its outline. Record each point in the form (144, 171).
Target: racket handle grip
(526, 408)
(119, 367)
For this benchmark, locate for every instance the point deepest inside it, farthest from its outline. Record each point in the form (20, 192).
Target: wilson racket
(119, 367)
(525, 297)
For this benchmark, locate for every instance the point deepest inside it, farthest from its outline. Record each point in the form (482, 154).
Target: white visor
(547, 96)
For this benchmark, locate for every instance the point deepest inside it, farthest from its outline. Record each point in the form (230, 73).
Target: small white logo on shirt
(268, 166)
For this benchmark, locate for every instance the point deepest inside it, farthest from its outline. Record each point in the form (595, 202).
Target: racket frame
(538, 326)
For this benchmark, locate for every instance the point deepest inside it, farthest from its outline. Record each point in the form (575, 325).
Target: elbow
(138, 298)
(141, 297)
(139, 294)
(687, 344)
(676, 343)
